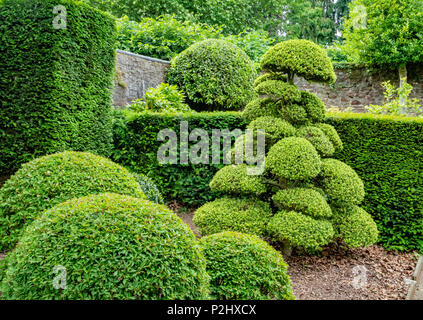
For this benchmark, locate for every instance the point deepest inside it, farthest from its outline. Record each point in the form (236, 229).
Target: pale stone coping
(415, 290)
(142, 57)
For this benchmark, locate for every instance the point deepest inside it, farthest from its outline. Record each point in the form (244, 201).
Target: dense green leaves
(49, 180)
(55, 87)
(214, 75)
(112, 247)
(245, 267)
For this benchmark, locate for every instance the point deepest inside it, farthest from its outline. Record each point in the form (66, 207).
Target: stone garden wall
(354, 88)
(134, 75)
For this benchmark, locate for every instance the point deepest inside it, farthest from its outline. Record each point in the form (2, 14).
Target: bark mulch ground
(371, 273)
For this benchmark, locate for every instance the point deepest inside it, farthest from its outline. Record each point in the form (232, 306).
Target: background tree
(385, 34)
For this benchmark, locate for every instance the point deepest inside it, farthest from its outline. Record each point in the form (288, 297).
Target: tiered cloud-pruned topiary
(315, 198)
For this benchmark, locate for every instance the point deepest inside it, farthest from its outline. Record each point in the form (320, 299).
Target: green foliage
(332, 134)
(234, 179)
(270, 76)
(293, 113)
(385, 33)
(233, 16)
(149, 188)
(294, 159)
(300, 57)
(55, 87)
(214, 74)
(318, 139)
(304, 200)
(300, 230)
(49, 180)
(164, 98)
(315, 108)
(386, 151)
(161, 38)
(233, 214)
(355, 226)
(259, 108)
(275, 128)
(244, 267)
(278, 90)
(136, 148)
(341, 182)
(397, 101)
(113, 247)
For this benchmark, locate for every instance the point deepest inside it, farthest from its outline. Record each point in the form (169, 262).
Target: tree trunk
(402, 71)
(287, 248)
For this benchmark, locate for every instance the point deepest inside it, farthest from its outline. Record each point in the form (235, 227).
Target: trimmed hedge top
(112, 247)
(300, 57)
(49, 180)
(214, 75)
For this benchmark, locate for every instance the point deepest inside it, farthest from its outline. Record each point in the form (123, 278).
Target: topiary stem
(286, 248)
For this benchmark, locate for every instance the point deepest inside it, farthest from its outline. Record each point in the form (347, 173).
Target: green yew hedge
(386, 152)
(55, 84)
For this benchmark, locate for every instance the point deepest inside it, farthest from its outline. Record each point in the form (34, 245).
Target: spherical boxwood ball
(318, 139)
(270, 76)
(300, 230)
(214, 74)
(305, 200)
(279, 90)
(243, 266)
(341, 183)
(259, 108)
(293, 158)
(111, 247)
(331, 133)
(233, 214)
(275, 128)
(355, 226)
(315, 108)
(49, 180)
(301, 57)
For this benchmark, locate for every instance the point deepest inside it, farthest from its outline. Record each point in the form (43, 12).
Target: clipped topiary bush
(341, 182)
(240, 181)
(304, 200)
(233, 214)
(214, 75)
(303, 183)
(300, 230)
(112, 247)
(294, 159)
(49, 180)
(149, 188)
(244, 267)
(56, 78)
(355, 226)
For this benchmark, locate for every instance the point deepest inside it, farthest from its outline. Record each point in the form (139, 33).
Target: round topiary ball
(300, 57)
(259, 108)
(46, 181)
(275, 128)
(214, 75)
(318, 139)
(341, 183)
(305, 200)
(270, 76)
(332, 134)
(245, 267)
(233, 214)
(293, 158)
(355, 226)
(314, 106)
(300, 230)
(111, 247)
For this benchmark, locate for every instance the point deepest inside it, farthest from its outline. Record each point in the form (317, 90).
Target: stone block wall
(135, 74)
(357, 88)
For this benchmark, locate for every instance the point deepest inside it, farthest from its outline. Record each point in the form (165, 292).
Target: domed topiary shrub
(111, 247)
(49, 180)
(242, 215)
(355, 226)
(149, 188)
(245, 267)
(293, 158)
(305, 185)
(214, 75)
